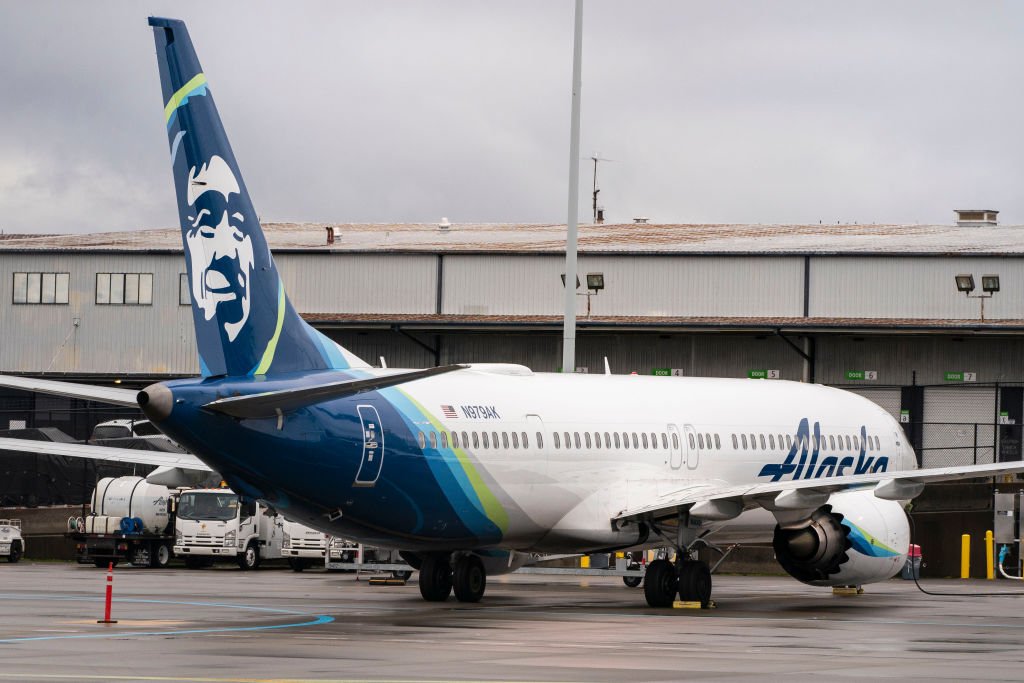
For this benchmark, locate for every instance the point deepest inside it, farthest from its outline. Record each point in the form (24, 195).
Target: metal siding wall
(359, 283)
(157, 339)
(897, 358)
(953, 443)
(634, 285)
(888, 398)
(911, 287)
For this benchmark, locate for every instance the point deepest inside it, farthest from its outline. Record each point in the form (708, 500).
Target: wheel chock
(847, 590)
(693, 604)
(386, 582)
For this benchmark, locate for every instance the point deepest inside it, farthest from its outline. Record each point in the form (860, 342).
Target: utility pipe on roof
(569, 326)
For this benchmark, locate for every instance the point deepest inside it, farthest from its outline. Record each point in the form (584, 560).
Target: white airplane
(469, 469)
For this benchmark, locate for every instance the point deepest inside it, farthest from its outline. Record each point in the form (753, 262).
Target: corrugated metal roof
(594, 239)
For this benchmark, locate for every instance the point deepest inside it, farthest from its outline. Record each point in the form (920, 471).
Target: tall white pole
(569, 327)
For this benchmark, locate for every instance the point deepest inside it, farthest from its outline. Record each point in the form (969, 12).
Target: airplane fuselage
(500, 457)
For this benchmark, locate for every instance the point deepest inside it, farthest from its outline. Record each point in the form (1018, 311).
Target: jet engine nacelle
(855, 538)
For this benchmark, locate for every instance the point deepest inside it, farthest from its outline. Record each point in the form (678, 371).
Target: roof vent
(330, 233)
(444, 224)
(966, 217)
(640, 219)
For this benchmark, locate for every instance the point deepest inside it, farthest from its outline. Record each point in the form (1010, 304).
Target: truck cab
(218, 524)
(12, 546)
(303, 547)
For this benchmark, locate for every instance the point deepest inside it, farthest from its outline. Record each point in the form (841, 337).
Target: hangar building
(873, 308)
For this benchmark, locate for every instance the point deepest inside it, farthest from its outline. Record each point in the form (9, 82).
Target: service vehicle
(218, 524)
(11, 543)
(131, 520)
(302, 546)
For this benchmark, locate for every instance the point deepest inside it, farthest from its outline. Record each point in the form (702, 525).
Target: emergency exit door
(373, 447)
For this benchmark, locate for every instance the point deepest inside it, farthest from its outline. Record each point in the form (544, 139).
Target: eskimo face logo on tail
(802, 461)
(219, 250)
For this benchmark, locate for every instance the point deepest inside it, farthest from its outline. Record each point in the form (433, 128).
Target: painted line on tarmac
(207, 679)
(317, 620)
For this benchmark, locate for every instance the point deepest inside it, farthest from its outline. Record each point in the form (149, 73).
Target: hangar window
(419, 437)
(504, 440)
(124, 289)
(41, 288)
(433, 439)
(515, 439)
(557, 444)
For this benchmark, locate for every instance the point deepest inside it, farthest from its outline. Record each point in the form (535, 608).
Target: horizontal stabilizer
(78, 450)
(113, 395)
(271, 403)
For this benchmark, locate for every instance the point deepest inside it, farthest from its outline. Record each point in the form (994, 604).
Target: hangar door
(886, 397)
(958, 426)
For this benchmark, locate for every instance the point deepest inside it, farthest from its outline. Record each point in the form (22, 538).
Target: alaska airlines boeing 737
(471, 468)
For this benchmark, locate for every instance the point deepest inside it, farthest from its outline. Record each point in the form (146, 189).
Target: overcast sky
(378, 111)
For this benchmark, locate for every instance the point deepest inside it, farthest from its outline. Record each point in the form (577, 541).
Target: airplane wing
(710, 501)
(113, 395)
(184, 461)
(269, 403)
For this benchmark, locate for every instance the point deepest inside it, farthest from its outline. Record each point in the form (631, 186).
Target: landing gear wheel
(15, 553)
(160, 556)
(632, 581)
(695, 582)
(660, 584)
(435, 578)
(250, 558)
(470, 579)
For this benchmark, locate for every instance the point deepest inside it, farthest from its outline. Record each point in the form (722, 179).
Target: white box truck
(12, 546)
(301, 546)
(217, 524)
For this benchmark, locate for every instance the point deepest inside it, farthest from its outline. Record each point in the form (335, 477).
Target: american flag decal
(449, 412)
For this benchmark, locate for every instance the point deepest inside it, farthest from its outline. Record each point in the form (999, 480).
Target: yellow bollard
(585, 562)
(965, 556)
(990, 555)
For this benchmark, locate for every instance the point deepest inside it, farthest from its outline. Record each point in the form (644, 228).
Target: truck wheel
(194, 562)
(15, 552)
(250, 559)
(160, 556)
(632, 581)
(296, 564)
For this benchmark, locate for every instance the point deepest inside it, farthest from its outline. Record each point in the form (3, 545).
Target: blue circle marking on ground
(316, 620)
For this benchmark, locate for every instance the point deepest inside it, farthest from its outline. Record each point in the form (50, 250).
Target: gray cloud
(733, 111)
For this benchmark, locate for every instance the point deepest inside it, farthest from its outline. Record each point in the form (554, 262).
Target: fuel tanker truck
(131, 520)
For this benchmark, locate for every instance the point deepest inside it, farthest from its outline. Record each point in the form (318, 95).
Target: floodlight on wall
(989, 285)
(964, 283)
(595, 281)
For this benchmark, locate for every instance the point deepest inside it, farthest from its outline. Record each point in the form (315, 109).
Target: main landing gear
(441, 573)
(690, 579)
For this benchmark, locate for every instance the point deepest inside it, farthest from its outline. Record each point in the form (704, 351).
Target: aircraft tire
(695, 582)
(660, 584)
(470, 580)
(435, 578)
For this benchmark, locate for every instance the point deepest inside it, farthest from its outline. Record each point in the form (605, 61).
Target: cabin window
(617, 444)
(878, 446)
(485, 440)
(476, 440)
(504, 440)
(494, 439)
(781, 442)
(465, 440)
(675, 440)
(643, 439)
(700, 441)
(743, 438)
(654, 440)
(718, 442)
(419, 437)
(597, 439)
(764, 446)
(607, 440)
(625, 440)
(831, 442)
(636, 441)
(689, 437)
(455, 439)
(789, 442)
(433, 439)
(444, 439)
(576, 439)
(664, 440)
(515, 440)
(586, 439)
(556, 440)
(540, 440)
(735, 443)
(771, 441)
(849, 444)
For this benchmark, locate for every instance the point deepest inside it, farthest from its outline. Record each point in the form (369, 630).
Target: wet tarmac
(274, 625)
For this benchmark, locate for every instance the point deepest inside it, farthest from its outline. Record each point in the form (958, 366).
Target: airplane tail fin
(244, 323)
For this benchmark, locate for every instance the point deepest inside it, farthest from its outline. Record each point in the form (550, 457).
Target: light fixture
(965, 283)
(595, 281)
(990, 283)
